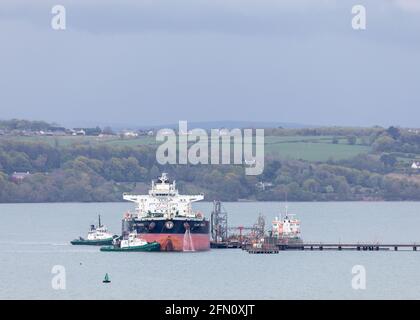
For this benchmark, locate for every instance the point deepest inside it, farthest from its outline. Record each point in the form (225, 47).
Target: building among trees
(19, 176)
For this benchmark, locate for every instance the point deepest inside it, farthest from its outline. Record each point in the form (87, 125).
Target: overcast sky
(153, 62)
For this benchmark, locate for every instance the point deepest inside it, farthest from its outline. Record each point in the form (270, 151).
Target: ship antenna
(286, 205)
(99, 216)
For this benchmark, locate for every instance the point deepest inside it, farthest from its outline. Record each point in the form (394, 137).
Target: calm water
(35, 237)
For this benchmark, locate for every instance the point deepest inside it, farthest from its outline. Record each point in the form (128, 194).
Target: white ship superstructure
(99, 233)
(164, 201)
(132, 241)
(286, 227)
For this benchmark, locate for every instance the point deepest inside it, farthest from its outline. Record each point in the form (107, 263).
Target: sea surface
(35, 237)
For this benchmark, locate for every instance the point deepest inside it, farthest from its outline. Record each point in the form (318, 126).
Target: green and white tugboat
(97, 236)
(132, 243)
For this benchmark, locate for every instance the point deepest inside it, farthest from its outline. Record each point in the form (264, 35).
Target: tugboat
(97, 236)
(133, 243)
(165, 216)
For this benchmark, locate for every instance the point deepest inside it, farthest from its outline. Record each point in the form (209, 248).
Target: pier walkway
(351, 246)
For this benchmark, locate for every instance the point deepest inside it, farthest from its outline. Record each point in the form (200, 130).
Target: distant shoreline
(244, 202)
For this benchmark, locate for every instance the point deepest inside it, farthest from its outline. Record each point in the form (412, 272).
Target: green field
(280, 139)
(311, 148)
(144, 140)
(63, 141)
(53, 141)
(312, 151)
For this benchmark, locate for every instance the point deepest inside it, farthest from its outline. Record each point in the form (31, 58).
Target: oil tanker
(165, 216)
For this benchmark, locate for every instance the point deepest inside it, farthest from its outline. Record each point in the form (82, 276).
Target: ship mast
(286, 206)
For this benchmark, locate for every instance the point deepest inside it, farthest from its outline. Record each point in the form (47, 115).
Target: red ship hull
(175, 242)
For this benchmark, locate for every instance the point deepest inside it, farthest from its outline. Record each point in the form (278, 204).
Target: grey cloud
(161, 61)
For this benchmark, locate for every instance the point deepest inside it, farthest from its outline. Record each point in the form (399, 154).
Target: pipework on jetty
(284, 235)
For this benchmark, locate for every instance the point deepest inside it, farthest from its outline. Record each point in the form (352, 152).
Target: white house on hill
(415, 165)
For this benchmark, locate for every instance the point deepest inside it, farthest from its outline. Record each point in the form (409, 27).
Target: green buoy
(106, 279)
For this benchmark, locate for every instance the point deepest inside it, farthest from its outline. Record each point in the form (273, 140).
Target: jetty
(351, 246)
(283, 236)
(313, 246)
